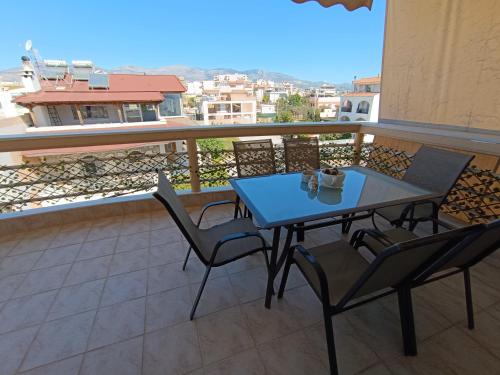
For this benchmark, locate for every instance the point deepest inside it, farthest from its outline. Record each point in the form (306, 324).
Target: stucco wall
(442, 63)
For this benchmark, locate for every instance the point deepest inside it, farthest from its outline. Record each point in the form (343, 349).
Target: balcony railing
(77, 177)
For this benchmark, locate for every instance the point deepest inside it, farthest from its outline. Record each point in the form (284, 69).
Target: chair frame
(237, 155)
(210, 263)
(403, 289)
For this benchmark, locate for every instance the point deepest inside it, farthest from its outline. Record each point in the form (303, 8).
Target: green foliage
(266, 98)
(296, 108)
(213, 145)
(334, 137)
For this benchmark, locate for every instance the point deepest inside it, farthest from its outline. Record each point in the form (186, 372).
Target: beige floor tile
(42, 280)
(168, 308)
(247, 263)
(13, 347)
(136, 241)
(167, 253)
(486, 332)
(165, 236)
(9, 284)
(124, 358)
(222, 334)
(244, 363)
(483, 295)
(458, 351)
(218, 294)
(118, 322)
(76, 299)
(353, 355)
(172, 350)
(12, 265)
(124, 287)
(268, 324)
(109, 227)
(88, 270)
(291, 355)
(70, 238)
(69, 366)
(57, 256)
(379, 369)
(250, 285)
(26, 311)
(488, 274)
(128, 261)
(59, 339)
(98, 248)
(304, 305)
(35, 241)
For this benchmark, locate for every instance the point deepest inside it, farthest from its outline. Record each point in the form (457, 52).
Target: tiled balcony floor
(109, 297)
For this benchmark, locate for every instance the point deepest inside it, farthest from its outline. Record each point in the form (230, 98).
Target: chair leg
(407, 321)
(412, 225)
(468, 299)
(330, 342)
(267, 259)
(373, 221)
(345, 223)
(186, 259)
(286, 270)
(200, 291)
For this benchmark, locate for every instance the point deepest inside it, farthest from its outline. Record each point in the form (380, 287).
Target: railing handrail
(67, 139)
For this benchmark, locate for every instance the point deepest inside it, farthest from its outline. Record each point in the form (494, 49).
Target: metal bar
(272, 266)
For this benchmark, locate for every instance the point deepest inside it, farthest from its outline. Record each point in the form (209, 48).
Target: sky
(304, 40)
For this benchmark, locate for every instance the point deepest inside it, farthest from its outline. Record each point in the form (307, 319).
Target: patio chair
(253, 158)
(301, 154)
(343, 279)
(432, 169)
(482, 241)
(215, 246)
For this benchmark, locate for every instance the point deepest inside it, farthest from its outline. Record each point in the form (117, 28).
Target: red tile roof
(367, 81)
(360, 94)
(124, 88)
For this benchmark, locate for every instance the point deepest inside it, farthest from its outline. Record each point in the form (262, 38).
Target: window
(90, 111)
(346, 106)
(236, 107)
(171, 106)
(132, 112)
(363, 107)
(345, 118)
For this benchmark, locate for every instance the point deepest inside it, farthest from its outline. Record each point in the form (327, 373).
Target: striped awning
(348, 4)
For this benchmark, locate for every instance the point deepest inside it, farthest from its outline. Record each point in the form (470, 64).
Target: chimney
(28, 75)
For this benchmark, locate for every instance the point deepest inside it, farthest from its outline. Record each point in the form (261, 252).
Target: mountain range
(198, 74)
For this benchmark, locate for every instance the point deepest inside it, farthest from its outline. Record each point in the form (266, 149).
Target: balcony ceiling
(348, 4)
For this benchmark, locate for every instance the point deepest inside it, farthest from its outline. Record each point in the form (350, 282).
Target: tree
(266, 98)
(213, 145)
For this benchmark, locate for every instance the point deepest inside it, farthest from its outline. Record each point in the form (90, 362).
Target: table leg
(272, 266)
(237, 206)
(300, 232)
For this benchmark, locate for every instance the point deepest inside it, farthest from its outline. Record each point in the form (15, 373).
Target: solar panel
(53, 73)
(98, 81)
(81, 74)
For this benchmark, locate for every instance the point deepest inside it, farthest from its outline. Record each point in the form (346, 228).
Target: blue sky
(306, 40)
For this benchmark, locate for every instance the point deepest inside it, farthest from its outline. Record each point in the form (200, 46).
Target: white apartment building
(274, 96)
(8, 108)
(234, 108)
(359, 106)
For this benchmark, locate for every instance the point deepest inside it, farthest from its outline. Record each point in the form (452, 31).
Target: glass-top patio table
(283, 200)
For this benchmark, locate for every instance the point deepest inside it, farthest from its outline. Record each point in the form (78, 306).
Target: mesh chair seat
(394, 235)
(393, 213)
(342, 264)
(208, 238)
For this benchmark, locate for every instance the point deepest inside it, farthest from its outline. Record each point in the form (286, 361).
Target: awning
(348, 4)
(72, 97)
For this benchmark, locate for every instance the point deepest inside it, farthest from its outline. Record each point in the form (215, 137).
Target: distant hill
(198, 74)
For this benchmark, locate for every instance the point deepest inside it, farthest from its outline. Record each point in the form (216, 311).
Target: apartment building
(234, 107)
(363, 103)
(368, 84)
(8, 92)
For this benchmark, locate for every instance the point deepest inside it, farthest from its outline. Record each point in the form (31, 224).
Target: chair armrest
(357, 237)
(237, 236)
(213, 204)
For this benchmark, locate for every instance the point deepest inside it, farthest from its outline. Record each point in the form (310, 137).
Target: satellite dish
(28, 45)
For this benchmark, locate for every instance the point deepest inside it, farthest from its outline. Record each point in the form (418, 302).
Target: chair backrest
(471, 250)
(254, 158)
(301, 154)
(166, 194)
(436, 170)
(402, 262)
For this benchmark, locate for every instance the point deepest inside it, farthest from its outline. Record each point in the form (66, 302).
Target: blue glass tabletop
(283, 199)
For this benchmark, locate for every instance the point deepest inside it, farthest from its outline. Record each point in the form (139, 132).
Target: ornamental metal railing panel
(75, 178)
